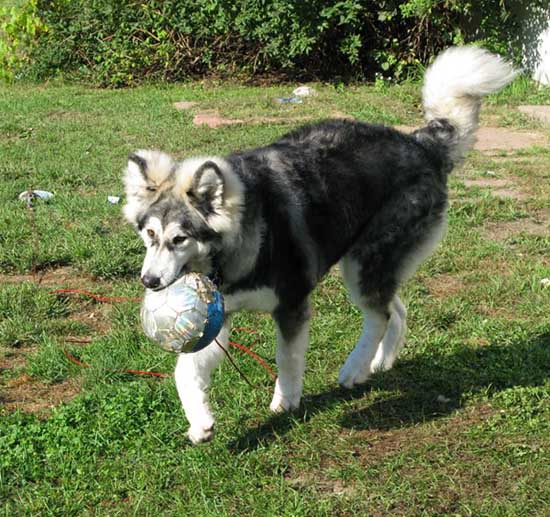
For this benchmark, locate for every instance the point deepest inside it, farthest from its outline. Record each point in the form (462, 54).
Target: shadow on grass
(414, 386)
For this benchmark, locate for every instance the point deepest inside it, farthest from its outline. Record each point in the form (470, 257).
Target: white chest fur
(260, 300)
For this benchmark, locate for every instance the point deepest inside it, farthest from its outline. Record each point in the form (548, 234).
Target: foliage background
(124, 42)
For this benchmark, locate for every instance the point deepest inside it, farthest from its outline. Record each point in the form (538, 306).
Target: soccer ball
(184, 317)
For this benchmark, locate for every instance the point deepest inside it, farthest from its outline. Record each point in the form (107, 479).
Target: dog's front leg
(193, 372)
(292, 342)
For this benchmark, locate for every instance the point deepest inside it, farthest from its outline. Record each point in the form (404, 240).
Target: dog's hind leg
(397, 327)
(385, 256)
(393, 339)
(292, 342)
(192, 377)
(377, 317)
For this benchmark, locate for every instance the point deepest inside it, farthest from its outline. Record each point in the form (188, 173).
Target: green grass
(460, 426)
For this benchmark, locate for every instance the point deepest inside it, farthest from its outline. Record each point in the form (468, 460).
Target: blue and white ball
(184, 317)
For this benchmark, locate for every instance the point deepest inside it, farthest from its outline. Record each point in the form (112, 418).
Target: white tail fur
(453, 88)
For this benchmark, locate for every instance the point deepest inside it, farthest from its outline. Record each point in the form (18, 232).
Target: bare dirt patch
(509, 193)
(23, 392)
(503, 230)
(501, 312)
(93, 315)
(64, 276)
(89, 312)
(444, 285)
(14, 358)
(33, 396)
(341, 115)
(67, 115)
(371, 446)
(301, 480)
(495, 263)
(490, 139)
(213, 119)
(516, 159)
(381, 443)
(184, 105)
(503, 188)
(541, 113)
(486, 182)
(497, 138)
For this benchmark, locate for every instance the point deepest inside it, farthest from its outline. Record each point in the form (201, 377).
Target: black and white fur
(272, 221)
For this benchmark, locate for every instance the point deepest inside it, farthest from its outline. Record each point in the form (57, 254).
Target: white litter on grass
(289, 100)
(304, 91)
(443, 399)
(32, 194)
(113, 199)
(545, 282)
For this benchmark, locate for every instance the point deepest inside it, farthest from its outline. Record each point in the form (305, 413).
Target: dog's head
(184, 212)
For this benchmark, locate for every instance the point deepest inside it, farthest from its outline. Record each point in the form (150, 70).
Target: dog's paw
(200, 434)
(353, 374)
(282, 403)
(381, 364)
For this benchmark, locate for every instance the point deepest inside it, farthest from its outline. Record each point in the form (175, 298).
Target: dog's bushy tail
(454, 86)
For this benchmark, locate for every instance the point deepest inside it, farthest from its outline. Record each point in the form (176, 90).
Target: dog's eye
(151, 233)
(179, 239)
(151, 189)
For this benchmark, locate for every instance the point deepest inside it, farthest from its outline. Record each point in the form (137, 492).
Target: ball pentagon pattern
(184, 317)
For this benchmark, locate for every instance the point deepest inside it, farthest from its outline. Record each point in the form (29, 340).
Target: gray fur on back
(334, 188)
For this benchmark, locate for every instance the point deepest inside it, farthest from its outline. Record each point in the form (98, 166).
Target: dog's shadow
(420, 389)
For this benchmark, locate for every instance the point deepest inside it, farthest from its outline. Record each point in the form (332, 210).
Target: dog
(269, 223)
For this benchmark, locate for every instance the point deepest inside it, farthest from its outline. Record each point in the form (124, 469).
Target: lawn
(460, 426)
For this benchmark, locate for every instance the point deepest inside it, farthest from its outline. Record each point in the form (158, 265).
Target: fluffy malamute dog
(270, 222)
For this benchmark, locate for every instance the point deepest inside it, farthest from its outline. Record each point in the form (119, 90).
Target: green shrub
(20, 29)
(122, 42)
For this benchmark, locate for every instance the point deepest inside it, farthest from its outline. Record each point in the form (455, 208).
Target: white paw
(381, 363)
(379, 367)
(201, 434)
(352, 374)
(282, 403)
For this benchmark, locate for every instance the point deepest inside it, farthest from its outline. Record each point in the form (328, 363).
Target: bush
(20, 28)
(122, 42)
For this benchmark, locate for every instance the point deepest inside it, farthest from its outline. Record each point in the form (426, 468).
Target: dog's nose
(150, 281)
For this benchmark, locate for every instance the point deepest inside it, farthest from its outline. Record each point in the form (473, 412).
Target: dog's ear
(148, 173)
(207, 188)
(137, 165)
